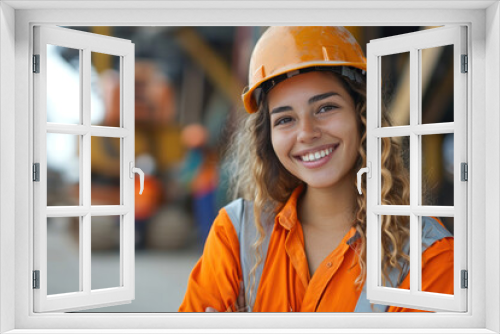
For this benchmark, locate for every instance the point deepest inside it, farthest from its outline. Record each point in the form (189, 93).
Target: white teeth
(317, 155)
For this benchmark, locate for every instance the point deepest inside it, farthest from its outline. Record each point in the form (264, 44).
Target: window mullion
(85, 166)
(373, 184)
(125, 191)
(83, 252)
(106, 131)
(96, 131)
(419, 129)
(127, 240)
(414, 170)
(421, 211)
(433, 129)
(108, 210)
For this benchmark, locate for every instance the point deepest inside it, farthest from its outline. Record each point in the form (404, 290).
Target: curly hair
(257, 175)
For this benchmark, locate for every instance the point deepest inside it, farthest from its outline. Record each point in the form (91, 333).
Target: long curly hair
(257, 175)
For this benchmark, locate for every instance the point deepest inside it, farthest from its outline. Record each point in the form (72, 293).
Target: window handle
(138, 171)
(367, 170)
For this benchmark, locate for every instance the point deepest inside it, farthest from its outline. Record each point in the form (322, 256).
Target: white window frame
(16, 21)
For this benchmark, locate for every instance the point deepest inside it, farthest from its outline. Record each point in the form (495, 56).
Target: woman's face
(314, 129)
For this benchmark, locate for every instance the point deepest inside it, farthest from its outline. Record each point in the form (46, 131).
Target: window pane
(63, 85)
(395, 170)
(105, 187)
(395, 228)
(442, 268)
(437, 84)
(63, 169)
(395, 73)
(437, 170)
(63, 255)
(105, 252)
(105, 93)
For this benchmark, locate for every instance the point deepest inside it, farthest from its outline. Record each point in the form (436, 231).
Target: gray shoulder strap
(241, 214)
(432, 231)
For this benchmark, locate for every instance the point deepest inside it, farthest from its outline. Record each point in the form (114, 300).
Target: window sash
(412, 43)
(86, 297)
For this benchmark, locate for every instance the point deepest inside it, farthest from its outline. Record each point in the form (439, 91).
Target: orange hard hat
(282, 51)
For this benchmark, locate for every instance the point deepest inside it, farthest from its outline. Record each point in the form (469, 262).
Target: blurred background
(188, 82)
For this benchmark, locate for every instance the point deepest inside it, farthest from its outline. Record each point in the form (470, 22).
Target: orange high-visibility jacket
(286, 284)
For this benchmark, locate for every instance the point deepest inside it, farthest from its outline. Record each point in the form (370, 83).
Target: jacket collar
(287, 216)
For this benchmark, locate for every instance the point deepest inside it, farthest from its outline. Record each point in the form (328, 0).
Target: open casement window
(65, 110)
(414, 131)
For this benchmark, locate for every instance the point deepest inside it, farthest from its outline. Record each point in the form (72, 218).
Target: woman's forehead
(305, 85)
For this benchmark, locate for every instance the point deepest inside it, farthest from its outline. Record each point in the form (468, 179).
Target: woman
(297, 238)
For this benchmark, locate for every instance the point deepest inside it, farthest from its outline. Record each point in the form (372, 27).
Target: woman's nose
(308, 130)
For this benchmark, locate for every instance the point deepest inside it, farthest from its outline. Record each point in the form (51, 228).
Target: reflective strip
(241, 214)
(432, 231)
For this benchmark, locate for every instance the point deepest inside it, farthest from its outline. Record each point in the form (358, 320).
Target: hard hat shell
(284, 49)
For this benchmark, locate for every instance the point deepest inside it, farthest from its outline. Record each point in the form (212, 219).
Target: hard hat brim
(248, 97)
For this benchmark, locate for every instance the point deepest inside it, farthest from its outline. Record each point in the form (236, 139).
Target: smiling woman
(297, 237)
(313, 119)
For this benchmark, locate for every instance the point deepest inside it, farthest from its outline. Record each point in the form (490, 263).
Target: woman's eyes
(282, 121)
(326, 108)
(321, 110)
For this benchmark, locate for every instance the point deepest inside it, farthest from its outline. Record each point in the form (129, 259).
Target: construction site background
(188, 83)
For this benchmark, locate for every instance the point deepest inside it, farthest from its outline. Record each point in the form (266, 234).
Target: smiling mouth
(317, 155)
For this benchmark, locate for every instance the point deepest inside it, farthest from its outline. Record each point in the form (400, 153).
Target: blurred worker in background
(199, 174)
(296, 240)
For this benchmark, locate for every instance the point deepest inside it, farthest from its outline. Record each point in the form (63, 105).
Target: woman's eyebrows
(320, 97)
(280, 109)
(312, 100)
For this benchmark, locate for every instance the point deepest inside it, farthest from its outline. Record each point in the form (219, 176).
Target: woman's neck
(328, 209)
